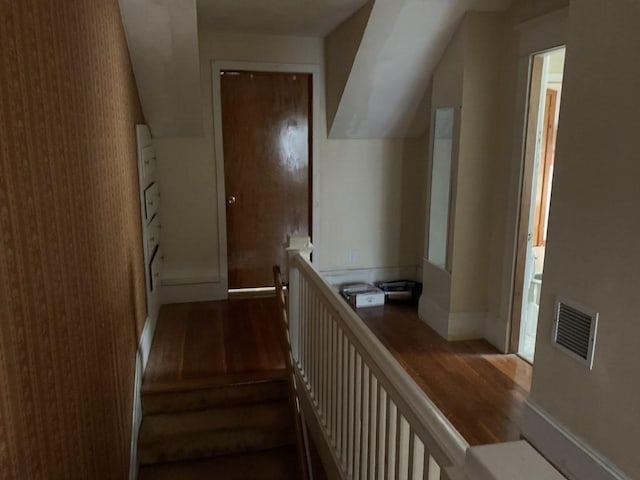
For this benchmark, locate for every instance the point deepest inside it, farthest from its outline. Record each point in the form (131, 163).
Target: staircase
(235, 427)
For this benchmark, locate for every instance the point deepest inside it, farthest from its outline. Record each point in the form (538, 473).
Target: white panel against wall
(148, 161)
(149, 205)
(440, 186)
(153, 237)
(156, 268)
(151, 201)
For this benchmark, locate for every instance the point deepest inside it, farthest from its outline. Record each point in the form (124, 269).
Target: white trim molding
(452, 326)
(372, 275)
(141, 360)
(508, 461)
(434, 315)
(316, 134)
(495, 332)
(195, 291)
(136, 417)
(537, 35)
(568, 453)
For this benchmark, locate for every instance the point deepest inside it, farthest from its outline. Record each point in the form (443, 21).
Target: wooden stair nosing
(220, 381)
(219, 396)
(273, 464)
(213, 444)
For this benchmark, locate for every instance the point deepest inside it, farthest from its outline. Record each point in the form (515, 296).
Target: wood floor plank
(165, 359)
(481, 391)
(204, 355)
(213, 342)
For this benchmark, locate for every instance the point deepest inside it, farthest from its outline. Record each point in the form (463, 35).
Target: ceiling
(314, 18)
(384, 95)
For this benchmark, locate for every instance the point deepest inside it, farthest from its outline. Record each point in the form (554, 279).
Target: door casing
(318, 116)
(538, 35)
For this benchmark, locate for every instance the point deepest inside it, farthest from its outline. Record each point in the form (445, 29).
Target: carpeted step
(206, 396)
(274, 464)
(219, 431)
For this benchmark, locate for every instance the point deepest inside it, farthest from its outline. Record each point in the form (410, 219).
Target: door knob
(231, 199)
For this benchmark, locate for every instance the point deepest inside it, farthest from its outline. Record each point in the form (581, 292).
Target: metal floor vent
(575, 331)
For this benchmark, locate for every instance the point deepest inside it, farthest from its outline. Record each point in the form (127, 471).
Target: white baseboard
(434, 315)
(569, 454)
(141, 360)
(136, 417)
(496, 332)
(146, 337)
(194, 292)
(372, 275)
(466, 326)
(451, 326)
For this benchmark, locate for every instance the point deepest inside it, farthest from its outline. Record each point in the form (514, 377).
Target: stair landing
(228, 341)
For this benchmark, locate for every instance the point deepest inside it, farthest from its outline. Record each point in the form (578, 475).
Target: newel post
(299, 244)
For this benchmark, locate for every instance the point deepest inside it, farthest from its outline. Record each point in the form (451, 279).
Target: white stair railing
(377, 423)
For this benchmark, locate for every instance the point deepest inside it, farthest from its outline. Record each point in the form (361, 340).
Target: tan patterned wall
(71, 277)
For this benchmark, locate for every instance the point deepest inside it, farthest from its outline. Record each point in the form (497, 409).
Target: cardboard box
(362, 295)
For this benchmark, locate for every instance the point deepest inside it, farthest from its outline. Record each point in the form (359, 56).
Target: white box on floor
(362, 295)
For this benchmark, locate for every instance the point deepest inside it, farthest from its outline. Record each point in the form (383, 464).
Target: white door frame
(217, 67)
(537, 35)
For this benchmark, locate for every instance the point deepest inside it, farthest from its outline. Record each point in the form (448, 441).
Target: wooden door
(266, 141)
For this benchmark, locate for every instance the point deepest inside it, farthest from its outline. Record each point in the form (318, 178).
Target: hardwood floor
(480, 390)
(215, 342)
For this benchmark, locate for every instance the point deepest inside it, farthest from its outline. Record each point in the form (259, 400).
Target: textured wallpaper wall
(71, 275)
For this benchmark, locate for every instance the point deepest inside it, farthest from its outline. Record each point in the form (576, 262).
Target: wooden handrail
(293, 397)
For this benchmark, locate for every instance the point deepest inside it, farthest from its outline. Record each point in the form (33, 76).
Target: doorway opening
(545, 90)
(266, 120)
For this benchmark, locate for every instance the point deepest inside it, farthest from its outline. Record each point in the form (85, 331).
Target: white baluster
(402, 448)
(393, 439)
(366, 410)
(382, 442)
(374, 395)
(357, 416)
(351, 396)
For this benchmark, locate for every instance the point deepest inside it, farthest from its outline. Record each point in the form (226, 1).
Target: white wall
(371, 203)
(480, 96)
(370, 191)
(593, 253)
(507, 165)
(455, 304)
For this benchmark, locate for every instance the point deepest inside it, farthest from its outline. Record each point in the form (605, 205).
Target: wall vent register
(574, 331)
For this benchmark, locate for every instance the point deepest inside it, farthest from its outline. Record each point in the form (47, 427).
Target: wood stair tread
(237, 394)
(263, 415)
(218, 431)
(274, 464)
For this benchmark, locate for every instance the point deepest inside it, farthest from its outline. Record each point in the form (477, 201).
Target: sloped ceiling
(401, 46)
(162, 36)
(313, 18)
